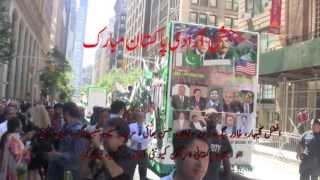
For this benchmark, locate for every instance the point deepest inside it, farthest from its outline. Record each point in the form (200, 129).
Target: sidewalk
(266, 167)
(276, 153)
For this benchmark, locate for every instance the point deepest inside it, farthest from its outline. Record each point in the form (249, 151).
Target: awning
(298, 58)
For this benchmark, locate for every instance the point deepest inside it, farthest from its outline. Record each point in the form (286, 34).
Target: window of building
(229, 4)
(202, 19)
(268, 91)
(195, 1)
(317, 21)
(228, 22)
(235, 23)
(204, 3)
(235, 5)
(232, 5)
(256, 7)
(193, 17)
(212, 20)
(213, 3)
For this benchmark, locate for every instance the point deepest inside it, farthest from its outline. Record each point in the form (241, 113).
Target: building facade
(255, 16)
(59, 25)
(289, 67)
(104, 57)
(119, 31)
(207, 12)
(87, 75)
(71, 29)
(316, 9)
(101, 64)
(37, 28)
(138, 14)
(31, 27)
(77, 52)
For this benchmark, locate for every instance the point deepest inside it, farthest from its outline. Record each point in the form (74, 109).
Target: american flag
(246, 67)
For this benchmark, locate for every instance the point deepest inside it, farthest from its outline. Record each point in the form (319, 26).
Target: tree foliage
(110, 79)
(56, 78)
(6, 37)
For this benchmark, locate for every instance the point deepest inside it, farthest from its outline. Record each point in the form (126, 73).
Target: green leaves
(6, 37)
(110, 79)
(56, 81)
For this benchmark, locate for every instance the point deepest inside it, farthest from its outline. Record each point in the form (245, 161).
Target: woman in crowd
(40, 117)
(39, 145)
(13, 152)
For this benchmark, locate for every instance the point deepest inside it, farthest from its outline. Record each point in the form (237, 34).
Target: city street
(267, 168)
(89, 89)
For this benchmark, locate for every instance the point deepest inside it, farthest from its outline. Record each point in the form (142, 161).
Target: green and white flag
(191, 59)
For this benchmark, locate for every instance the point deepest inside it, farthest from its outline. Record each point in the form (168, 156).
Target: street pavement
(271, 168)
(265, 167)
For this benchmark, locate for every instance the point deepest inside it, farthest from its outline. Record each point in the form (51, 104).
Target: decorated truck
(205, 68)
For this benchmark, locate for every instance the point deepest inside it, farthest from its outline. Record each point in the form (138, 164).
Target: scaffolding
(295, 104)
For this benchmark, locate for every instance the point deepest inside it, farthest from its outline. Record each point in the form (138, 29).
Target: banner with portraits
(214, 70)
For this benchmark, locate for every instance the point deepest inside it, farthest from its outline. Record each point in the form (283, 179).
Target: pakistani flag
(191, 59)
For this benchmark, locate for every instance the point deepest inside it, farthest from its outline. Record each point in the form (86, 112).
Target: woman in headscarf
(14, 154)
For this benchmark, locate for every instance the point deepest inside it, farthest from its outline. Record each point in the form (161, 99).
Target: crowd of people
(39, 142)
(43, 142)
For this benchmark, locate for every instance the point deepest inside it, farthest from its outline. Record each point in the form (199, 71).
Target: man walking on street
(140, 140)
(70, 147)
(308, 151)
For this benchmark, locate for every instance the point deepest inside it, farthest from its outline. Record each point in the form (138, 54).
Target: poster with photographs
(222, 79)
(216, 72)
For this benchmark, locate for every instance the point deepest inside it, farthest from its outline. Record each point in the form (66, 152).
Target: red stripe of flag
(248, 68)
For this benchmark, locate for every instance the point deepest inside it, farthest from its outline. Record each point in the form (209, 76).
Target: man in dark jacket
(180, 101)
(308, 151)
(70, 147)
(197, 102)
(220, 151)
(118, 161)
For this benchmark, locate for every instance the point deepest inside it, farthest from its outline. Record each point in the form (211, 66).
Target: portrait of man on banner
(195, 56)
(215, 100)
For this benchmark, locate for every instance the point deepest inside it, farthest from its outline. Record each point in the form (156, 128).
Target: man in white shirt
(140, 139)
(9, 113)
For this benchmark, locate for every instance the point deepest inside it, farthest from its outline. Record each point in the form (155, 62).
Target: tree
(55, 79)
(110, 79)
(6, 40)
